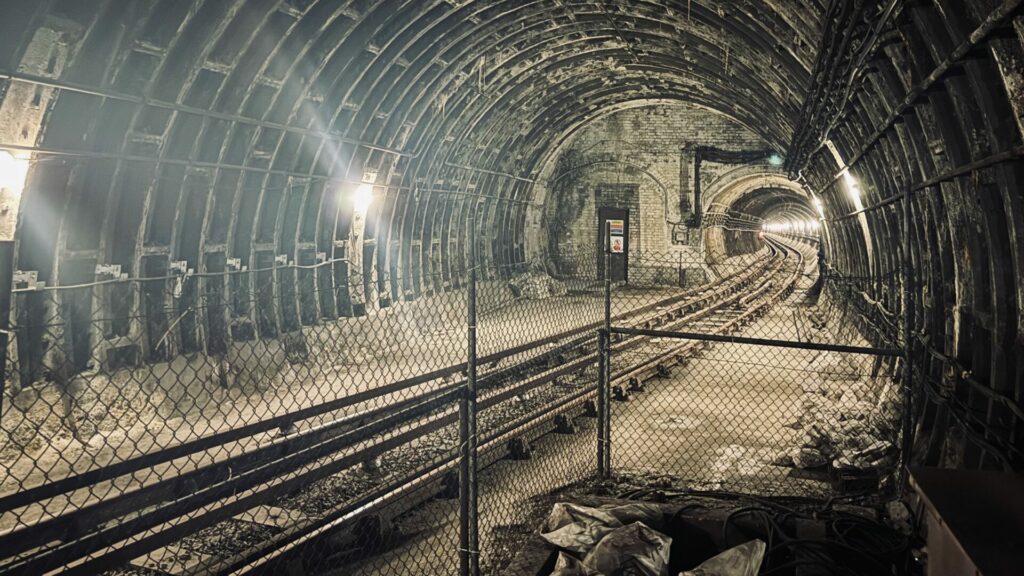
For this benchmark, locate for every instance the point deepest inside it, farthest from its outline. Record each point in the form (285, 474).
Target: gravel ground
(505, 502)
(711, 426)
(509, 514)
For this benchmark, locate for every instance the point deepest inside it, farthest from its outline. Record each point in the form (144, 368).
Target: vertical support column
(469, 553)
(907, 444)
(604, 413)
(6, 280)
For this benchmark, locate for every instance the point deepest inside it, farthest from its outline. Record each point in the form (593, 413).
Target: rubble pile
(536, 285)
(848, 420)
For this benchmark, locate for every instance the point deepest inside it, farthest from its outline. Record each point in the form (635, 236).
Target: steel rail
(525, 425)
(493, 447)
(25, 539)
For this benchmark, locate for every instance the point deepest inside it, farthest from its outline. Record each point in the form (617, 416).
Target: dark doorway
(618, 264)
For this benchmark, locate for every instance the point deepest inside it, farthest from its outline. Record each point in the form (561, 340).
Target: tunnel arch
(235, 133)
(732, 226)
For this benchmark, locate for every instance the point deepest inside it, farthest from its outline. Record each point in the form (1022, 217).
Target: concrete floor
(719, 421)
(714, 425)
(367, 359)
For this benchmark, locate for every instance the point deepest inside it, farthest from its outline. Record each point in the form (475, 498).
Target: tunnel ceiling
(235, 113)
(770, 204)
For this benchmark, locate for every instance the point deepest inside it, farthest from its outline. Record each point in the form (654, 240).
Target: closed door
(618, 263)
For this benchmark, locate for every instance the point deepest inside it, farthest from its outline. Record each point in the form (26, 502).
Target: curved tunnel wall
(642, 159)
(765, 206)
(741, 200)
(247, 122)
(204, 131)
(227, 136)
(937, 109)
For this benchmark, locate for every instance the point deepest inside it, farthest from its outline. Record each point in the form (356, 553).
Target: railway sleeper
(564, 424)
(519, 449)
(371, 466)
(449, 485)
(620, 393)
(369, 534)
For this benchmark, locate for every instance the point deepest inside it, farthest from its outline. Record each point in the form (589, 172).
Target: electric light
(13, 171)
(853, 189)
(362, 198)
(820, 207)
(775, 160)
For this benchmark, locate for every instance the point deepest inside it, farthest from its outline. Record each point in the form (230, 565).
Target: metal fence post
(907, 444)
(469, 559)
(604, 413)
(6, 280)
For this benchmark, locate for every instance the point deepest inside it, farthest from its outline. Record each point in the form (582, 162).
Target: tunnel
(367, 286)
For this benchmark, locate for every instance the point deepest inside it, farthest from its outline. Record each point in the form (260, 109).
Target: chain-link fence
(542, 438)
(759, 392)
(308, 418)
(207, 415)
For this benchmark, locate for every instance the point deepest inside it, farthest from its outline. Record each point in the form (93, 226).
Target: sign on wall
(616, 232)
(616, 227)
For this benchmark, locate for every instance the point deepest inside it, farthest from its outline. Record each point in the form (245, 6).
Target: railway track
(252, 496)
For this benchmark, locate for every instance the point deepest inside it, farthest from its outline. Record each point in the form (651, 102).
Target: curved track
(536, 395)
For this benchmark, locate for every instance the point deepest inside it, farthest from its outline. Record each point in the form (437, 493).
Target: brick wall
(651, 148)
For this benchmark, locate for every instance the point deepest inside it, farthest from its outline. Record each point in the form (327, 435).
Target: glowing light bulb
(853, 189)
(13, 172)
(362, 198)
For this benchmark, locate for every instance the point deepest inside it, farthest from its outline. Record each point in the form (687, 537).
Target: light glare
(801, 227)
(852, 188)
(13, 172)
(362, 198)
(820, 207)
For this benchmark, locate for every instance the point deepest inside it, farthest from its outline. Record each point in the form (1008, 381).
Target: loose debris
(849, 421)
(618, 539)
(536, 285)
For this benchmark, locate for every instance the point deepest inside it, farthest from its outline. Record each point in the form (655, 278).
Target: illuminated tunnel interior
(235, 234)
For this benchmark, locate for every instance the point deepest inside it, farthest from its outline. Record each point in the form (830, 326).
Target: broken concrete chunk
(806, 458)
(784, 458)
(899, 517)
(536, 286)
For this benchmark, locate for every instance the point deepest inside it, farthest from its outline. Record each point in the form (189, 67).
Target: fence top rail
(756, 341)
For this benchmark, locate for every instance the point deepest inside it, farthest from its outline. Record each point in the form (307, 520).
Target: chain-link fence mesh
(551, 439)
(774, 418)
(265, 401)
(305, 418)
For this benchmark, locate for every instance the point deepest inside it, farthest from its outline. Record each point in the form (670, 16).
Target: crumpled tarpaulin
(611, 540)
(742, 560)
(617, 541)
(633, 549)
